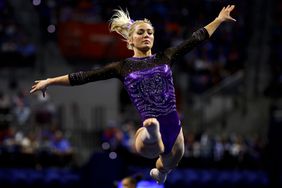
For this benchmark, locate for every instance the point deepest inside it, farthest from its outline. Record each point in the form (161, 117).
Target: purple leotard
(149, 83)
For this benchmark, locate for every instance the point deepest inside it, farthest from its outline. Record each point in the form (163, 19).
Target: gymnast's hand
(224, 14)
(39, 85)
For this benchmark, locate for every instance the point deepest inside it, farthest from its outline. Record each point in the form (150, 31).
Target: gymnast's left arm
(199, 36)
(223, 16)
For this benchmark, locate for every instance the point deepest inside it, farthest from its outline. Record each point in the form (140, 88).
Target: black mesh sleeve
(197, 38)
(109, 71)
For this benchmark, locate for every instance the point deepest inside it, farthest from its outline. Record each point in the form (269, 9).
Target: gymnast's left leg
(148, 141)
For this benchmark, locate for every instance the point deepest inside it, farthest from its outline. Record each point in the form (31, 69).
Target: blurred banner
(90, 41)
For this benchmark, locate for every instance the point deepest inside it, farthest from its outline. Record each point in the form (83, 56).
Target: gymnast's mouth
(147, 41)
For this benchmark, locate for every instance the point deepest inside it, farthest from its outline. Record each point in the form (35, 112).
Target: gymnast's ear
(130, 42)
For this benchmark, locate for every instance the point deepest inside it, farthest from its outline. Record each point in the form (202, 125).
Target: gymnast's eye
(150, 32)
(140, 31)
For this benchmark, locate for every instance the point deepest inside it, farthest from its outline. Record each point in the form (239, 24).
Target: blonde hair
(124, 25)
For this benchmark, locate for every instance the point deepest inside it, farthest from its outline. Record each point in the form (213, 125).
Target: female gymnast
(148, 80)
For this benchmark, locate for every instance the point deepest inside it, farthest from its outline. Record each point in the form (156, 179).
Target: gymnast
(147, 77)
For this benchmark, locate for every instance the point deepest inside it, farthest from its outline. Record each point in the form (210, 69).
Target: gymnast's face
(142, 37)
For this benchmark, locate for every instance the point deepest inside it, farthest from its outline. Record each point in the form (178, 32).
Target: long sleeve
(109, 71)
(197, 38)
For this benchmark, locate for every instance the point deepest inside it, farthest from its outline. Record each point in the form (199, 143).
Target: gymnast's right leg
(166, 163)
(148, 141)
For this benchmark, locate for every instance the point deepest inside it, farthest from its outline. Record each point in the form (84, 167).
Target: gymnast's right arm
(78, 78)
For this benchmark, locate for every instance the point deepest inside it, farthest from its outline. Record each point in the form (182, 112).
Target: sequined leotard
(149, 84)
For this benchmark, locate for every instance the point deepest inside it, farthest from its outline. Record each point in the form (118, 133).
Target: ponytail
(121, 23)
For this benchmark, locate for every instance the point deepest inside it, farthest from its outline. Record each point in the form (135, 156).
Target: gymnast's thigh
(176, 153)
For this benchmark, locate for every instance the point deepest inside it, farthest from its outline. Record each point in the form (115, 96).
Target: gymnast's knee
(150, 121)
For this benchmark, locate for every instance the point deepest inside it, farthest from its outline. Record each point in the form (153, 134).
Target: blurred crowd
(31, 136)
(16, 46)
(202, 149)
(223, 55)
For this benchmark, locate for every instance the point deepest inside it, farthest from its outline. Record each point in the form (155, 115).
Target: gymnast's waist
(172, 115)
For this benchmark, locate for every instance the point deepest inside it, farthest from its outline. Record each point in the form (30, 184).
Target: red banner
(91, 41)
